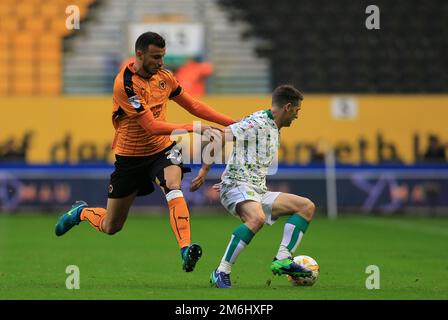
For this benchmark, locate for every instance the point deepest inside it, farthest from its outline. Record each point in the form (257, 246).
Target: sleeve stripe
(176, 92)
(129, 88)
(127, 82)
(120, 112)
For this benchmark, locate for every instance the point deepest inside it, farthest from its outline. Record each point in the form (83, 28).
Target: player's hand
(200, 178)
(210, 130)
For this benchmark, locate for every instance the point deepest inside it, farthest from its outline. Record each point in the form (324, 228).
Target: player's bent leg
(117, 213)
(94, 216)
(170, 181)
(251, 213)
(108, 221)
(287, 204)
(70, 218)
(301, 211)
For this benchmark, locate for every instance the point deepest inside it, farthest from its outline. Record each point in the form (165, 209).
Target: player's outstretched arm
(127, 97)
(202, 110)
(156, 127)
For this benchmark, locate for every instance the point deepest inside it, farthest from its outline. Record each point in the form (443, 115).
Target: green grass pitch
(143, 261)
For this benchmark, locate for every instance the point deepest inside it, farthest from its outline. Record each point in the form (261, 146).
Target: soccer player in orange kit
(143, 150)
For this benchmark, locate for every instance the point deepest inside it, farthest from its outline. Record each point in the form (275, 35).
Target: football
(309, 263)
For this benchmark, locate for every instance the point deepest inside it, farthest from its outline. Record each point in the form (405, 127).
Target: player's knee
(112, 229)
(172, 186)
(308, 209)
(256, 222)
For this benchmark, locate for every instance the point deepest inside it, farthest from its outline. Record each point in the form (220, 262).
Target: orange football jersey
(134, 96)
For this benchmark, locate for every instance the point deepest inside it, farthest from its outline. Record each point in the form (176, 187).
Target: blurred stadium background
(375, 102)
(374, 98)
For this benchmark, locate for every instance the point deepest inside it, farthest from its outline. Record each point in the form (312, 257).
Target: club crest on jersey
(135, 102)
(162, 84)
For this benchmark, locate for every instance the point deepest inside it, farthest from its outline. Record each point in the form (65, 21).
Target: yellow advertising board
(364, 128)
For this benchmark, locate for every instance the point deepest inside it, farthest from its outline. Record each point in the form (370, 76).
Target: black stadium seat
(324, 46)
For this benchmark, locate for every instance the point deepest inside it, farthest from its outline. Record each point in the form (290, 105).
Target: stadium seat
(48, 79)
(5, 42)
(22, 55)
(4, 87)
(23, 83)
(5, 10)
(23, 47)
(26, 9)
(31, 34)
(24, 40)
(49, 42)
(49, 69)
(322, 34)
(23, 67)
(37, 25)
(49, 85)
(51, 9)
(48, 56)
(9, 24)
(5, 63)
(22, 78)
(58, 26)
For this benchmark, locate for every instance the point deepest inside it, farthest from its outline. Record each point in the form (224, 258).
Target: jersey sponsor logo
(162, 84)
(180, 217)
(135, 102)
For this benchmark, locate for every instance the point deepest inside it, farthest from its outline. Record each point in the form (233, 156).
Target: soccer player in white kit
(243, 189)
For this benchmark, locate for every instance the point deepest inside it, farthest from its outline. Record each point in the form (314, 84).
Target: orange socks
(95, 216)
(179, 217)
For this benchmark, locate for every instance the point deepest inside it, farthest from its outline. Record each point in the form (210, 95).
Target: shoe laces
(225, 278)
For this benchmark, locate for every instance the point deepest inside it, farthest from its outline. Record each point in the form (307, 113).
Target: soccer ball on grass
(309, 263)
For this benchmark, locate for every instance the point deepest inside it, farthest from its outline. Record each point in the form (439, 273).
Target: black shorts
(139, 173)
